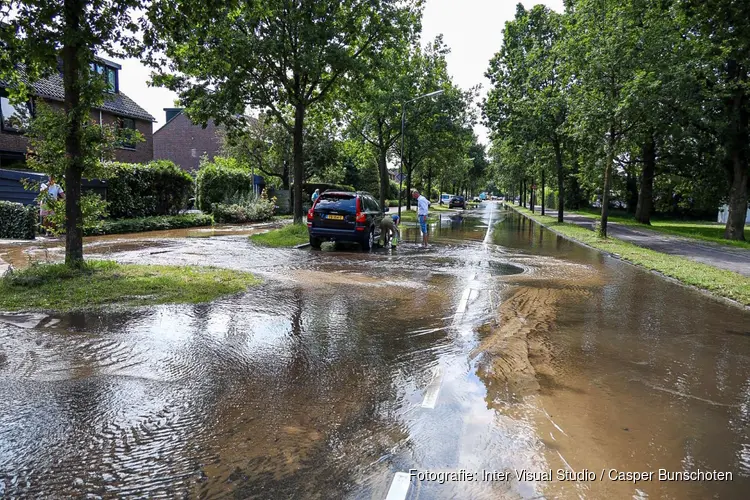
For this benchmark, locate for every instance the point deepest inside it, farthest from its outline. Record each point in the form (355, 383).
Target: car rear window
(345, 202)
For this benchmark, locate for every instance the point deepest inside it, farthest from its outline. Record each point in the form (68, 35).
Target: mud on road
(501, 347)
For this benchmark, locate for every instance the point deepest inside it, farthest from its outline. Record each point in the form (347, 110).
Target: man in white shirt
(52, 192)
(423, 205)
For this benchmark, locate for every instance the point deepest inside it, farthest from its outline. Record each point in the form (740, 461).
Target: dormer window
(109, 74)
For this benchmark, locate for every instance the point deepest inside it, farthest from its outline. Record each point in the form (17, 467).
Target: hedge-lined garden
(156, 223)
(156, 188)
(224, 188)
(17, 222)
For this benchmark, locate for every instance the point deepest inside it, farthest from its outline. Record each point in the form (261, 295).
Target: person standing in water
(423, 205)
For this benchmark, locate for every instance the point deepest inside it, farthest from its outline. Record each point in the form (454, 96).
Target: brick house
(117, 108)
(183, 142)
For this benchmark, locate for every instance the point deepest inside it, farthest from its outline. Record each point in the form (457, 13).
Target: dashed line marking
(399, 486)
(433, 390)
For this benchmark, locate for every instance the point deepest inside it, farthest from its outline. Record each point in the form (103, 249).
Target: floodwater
(500, 349)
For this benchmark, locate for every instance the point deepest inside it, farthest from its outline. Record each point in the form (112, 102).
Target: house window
(127, 132)
(108, 73)
(14, 117)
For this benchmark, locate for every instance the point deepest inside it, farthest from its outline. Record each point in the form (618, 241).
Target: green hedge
(156, 188)
(158, 223)
(17, 222)
(218, 182)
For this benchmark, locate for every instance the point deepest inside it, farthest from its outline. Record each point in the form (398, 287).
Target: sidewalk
(722, 257)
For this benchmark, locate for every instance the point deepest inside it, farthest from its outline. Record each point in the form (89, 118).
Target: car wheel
(367, 244)
(315, 242)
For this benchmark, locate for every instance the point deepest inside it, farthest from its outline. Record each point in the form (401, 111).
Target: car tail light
(361, 216)
(310, 214)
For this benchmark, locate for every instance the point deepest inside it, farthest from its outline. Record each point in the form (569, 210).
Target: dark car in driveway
(457, 201)
(345, 216)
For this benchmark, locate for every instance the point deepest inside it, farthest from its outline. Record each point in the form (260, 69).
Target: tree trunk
(408, 188)
(543, 194)
(560, 181)
(607, 183)
(737, 167)
(532, 196)
(646, 191)
(523, 193)
(520, 196)
(384, 179)
(299, 122)
(735, 228)
(285, 175)
(429, 182)
(72, 55)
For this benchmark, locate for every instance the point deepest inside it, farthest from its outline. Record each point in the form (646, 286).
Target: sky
(471, 28)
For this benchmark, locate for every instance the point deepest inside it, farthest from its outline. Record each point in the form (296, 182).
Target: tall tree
(374, 114)
(529, 95)
(41, 37)
(269, 55)
(720, 32)
(602, 45)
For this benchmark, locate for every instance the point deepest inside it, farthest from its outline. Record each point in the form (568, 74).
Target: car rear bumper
(336, 234)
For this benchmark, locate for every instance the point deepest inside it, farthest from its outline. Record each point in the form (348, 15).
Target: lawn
(288, 236)
(700, 230)
(718, 281)
(59, 288)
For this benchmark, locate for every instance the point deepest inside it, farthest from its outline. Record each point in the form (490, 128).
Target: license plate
(335, 217)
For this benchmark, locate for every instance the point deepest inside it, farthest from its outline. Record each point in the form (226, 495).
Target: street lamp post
(401, 166)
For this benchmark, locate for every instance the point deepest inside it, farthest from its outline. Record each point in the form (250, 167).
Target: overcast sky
(471, 28)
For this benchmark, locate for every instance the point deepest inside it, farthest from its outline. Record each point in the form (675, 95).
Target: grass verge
(718, 281)
(699, 230)
(287, 236)
(59, 288)
(411, 215)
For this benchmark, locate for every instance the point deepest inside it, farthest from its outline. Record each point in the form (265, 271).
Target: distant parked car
(445, 198)
(345, 216)
(457, 201)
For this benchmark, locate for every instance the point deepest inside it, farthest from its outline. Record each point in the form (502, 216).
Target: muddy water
(501, 347)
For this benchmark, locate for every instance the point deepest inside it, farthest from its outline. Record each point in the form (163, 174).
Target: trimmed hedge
(156, 188)
(158, 223)
(217, 183)
(17, 221)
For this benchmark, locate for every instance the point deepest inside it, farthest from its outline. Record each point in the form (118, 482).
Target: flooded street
(500, 348)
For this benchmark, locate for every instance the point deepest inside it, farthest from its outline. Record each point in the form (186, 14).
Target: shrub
(392, 203)
(17, 221)
(156, 223)
(254, 210)
(222, 181)
(156, 188)
(93, 209)
(392, 190)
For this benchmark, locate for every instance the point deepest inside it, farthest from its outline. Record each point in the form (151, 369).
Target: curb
(303, 245)
(703, 291)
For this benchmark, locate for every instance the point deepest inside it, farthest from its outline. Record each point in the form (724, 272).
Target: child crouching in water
(389, 233)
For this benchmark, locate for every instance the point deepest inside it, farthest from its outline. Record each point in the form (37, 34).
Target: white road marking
(399, 486)
(433, 390)
(462, 306)
(566, 463)
(489, 228)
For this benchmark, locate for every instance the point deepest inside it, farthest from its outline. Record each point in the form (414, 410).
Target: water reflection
(311, 385)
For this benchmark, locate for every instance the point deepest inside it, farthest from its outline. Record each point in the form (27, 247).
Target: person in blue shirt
(315, 195)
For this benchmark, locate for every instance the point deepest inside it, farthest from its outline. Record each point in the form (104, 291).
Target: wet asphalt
(501, 350)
